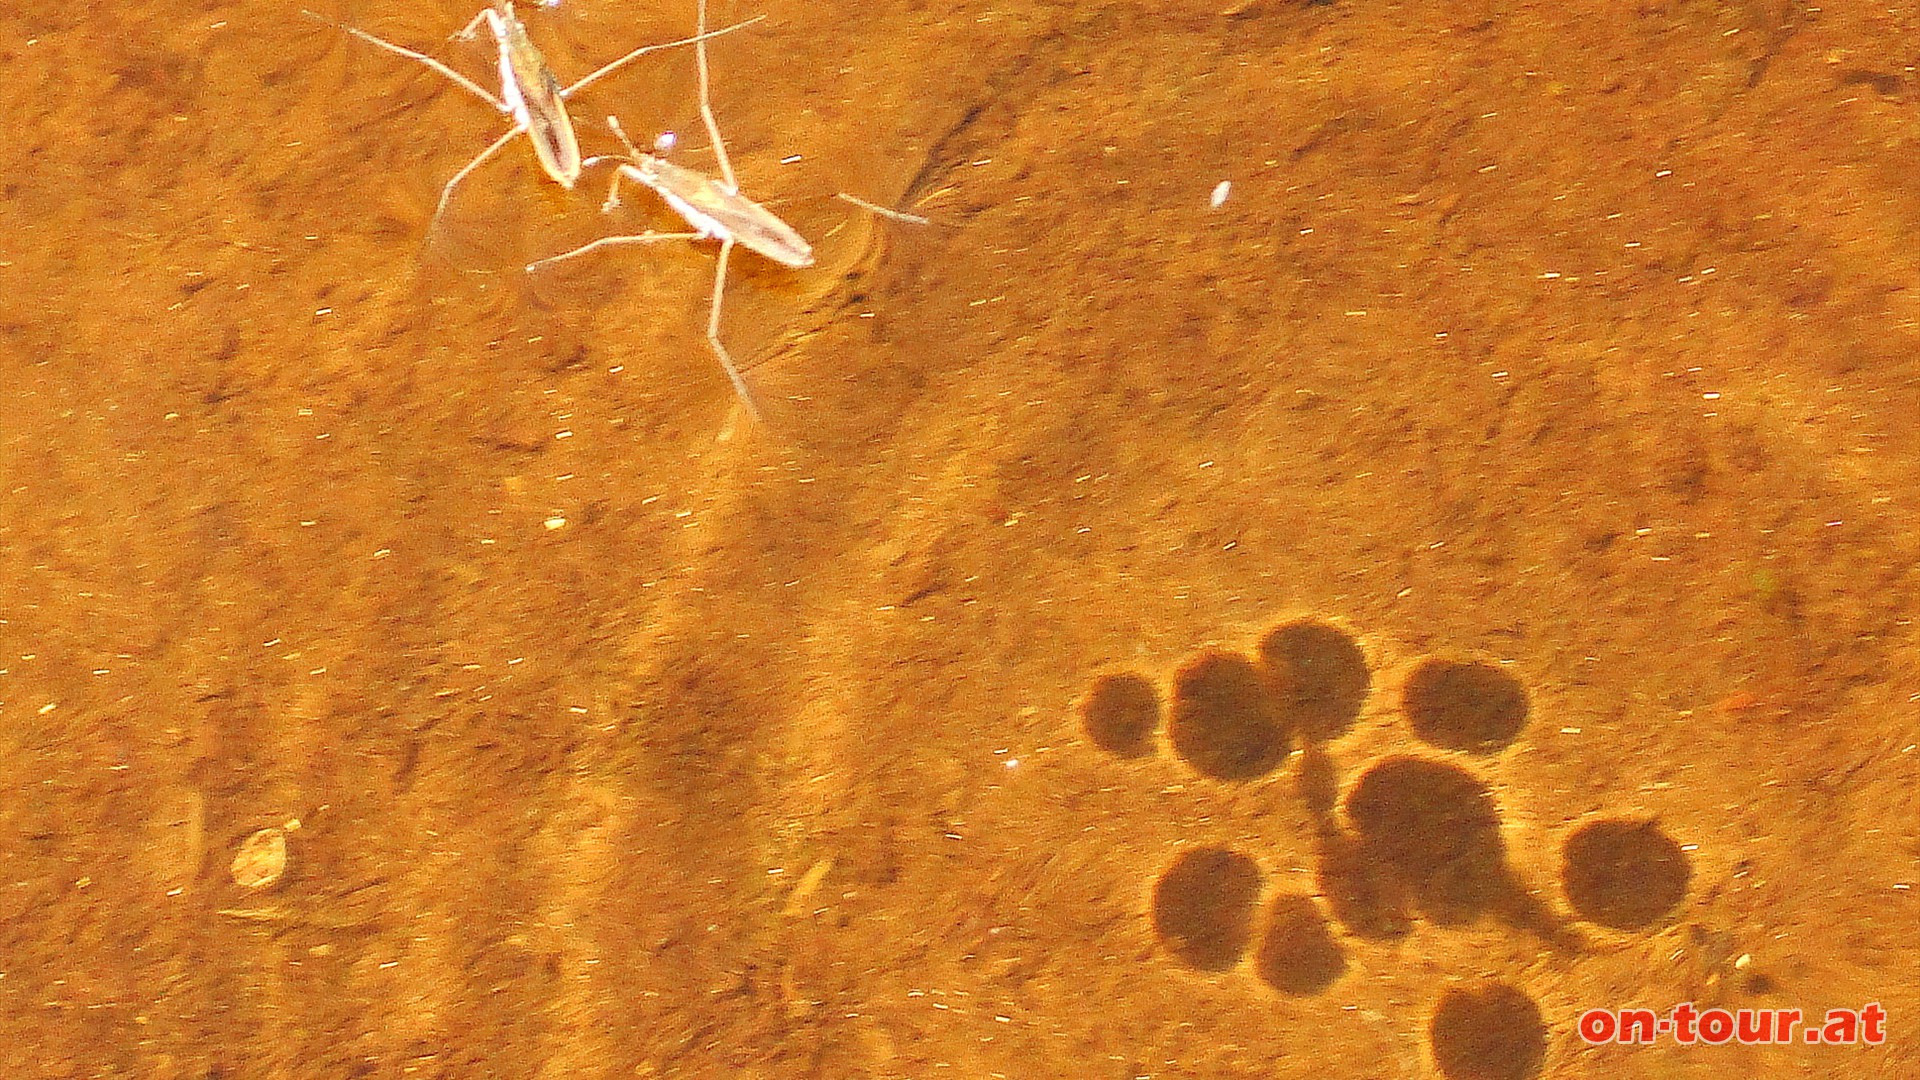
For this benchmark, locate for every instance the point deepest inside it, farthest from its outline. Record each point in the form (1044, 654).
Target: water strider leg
(611, 241)
(713, 331)
(446, 193)
(468, 84)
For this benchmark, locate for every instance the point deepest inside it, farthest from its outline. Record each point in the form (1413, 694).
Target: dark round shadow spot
(1624, 874)
(1120, 713)
(1225, 721)
(1322, 675)
(1367, 902)
(1490, 1033)
(1435, 828)
(1298, 955)
(1203, 907)
(1465, 706)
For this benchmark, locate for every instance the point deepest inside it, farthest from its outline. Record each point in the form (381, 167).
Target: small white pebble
(1220, 191)
(261, 860)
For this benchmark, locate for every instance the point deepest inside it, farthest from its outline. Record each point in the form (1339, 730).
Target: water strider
(529, 93)
(714, 207)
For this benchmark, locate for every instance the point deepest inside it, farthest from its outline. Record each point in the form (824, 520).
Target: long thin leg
(446, 193)
(613, 194)
(633, 154)
(486, 15)
(697, 40)
(713, 329)
(466, 32)
(706, 111)
(607, 242)
(875, 208)
(468, 84)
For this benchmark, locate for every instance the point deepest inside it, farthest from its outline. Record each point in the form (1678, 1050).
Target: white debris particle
(262, 859)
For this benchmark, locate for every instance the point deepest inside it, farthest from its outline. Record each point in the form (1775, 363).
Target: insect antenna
(621, 134)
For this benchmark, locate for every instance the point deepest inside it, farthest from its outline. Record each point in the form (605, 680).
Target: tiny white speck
(1220, 192)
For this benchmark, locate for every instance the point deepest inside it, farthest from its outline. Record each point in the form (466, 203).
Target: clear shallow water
(1577, 345)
